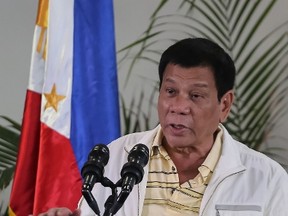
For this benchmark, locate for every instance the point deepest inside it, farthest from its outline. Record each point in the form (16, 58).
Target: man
(195, 167)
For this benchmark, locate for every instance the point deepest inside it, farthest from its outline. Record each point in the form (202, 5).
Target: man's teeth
(177, 126)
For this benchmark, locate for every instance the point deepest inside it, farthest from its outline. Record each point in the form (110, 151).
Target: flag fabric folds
(71, 103)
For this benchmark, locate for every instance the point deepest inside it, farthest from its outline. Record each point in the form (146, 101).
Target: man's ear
(226, 104)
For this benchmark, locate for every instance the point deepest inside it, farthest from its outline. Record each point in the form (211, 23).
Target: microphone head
(97, 159)
(139, 154)
(99, 154)
(137, 160)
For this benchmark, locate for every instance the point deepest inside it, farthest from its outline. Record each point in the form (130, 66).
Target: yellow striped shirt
(164, 194)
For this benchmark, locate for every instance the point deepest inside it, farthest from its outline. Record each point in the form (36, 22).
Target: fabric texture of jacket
(245, 182)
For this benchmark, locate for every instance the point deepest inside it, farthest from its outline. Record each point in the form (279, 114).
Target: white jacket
(245, 182)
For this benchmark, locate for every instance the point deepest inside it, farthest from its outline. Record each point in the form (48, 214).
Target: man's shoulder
(253, 160)
(257, 160)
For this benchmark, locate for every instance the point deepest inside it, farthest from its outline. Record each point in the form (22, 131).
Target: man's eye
(195, 96)
(170, 91)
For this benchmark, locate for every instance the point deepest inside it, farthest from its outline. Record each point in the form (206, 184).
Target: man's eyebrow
(201, 85)
(198, 84)
(169, 80)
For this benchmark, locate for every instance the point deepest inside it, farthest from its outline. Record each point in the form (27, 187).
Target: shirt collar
(215, 152)
(210, 161)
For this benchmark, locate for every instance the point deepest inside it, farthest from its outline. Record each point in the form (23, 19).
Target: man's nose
(180, 106)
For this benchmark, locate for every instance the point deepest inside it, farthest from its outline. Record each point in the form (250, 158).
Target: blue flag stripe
(95, 106)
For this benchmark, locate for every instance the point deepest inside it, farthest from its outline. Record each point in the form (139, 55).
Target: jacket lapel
(229, 164)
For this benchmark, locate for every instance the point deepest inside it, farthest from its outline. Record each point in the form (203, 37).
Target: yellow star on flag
(53, 99)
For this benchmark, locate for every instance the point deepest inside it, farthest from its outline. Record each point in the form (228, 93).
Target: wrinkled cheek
(214, 120)
(162, 106)
(216, 116)
(161, 114)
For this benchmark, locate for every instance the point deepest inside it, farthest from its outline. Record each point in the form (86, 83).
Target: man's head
(193, 52)
(196, 93)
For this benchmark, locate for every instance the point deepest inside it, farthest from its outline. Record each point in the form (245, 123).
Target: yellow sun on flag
(53, 99)
(42, 22)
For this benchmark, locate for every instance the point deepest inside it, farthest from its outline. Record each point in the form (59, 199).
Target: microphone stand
(112, 198)
(118, 203)
(86, 192)
(113, 202)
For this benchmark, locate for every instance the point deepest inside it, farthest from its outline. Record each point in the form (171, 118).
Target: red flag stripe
(26, 168)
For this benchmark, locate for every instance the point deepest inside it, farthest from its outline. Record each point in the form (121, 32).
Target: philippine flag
(71, 103)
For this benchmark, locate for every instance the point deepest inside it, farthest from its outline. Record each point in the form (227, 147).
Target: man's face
(188, 108)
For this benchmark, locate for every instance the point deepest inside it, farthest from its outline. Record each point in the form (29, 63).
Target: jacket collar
(230, 160)
(229, 163)
(147, 139)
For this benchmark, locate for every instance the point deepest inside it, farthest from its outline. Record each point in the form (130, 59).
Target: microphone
(92, 172)
(93, 169)
(131, 173)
